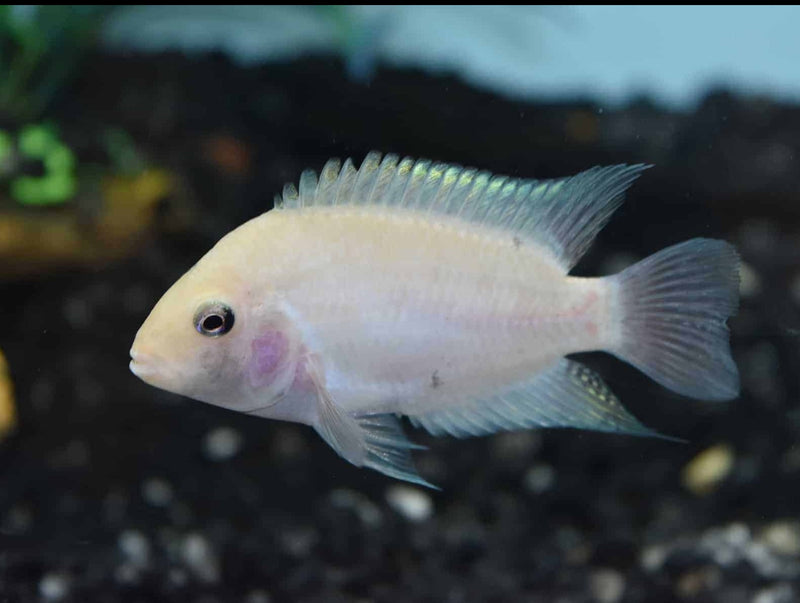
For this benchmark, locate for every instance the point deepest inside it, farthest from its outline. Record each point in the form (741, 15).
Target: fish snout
(142, 365)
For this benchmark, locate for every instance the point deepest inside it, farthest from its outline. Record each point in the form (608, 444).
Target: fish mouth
(142, 365)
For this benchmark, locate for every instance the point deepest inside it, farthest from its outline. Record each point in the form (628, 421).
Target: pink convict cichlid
(440, 293)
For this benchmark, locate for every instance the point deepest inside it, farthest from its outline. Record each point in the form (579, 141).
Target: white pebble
(607, 585)
(53, 586)
(200, 558)
(257, 596)
(539, 478)
(653, 558)
(783, 537)
(157, 492)
(222, 443)
(412, 503)
(779, 593)
(708, 469)
(135, 546)
(749, 281)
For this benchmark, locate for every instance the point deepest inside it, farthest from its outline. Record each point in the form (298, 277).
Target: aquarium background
(132, 138)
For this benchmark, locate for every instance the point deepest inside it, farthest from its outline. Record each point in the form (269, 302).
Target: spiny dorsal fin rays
(328, 177)
(366, 176)
(308, 188)
(563, 216)
(383, 177)
(414, 184)
(345, 185)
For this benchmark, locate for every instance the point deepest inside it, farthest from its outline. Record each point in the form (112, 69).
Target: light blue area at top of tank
(673, 53)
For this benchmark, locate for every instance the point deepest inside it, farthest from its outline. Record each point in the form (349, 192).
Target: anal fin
(566, 395)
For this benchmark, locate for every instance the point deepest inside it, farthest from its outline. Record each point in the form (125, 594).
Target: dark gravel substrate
(114, 491)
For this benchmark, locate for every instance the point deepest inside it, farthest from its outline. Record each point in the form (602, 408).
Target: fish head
(211, 338)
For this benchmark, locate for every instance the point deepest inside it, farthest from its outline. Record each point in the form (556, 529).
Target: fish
(427, 290)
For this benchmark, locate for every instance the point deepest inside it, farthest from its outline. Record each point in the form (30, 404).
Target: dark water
(111, 490)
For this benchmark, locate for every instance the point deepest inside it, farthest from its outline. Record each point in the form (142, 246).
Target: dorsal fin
(563, 216)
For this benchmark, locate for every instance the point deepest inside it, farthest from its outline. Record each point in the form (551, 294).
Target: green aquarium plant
(41, 47)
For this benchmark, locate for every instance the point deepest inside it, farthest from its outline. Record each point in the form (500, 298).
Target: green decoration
(58, 183)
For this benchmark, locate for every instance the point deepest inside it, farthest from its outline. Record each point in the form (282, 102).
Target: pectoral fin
(376, 441)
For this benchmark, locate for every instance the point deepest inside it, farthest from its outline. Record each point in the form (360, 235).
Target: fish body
(426, 290)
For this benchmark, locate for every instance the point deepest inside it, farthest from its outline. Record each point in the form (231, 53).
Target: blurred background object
(131, 138)
(57, 211)
(42, 47)
(607, 53)
(8, 411)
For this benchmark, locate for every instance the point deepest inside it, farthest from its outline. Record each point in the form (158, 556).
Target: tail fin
(672, 308)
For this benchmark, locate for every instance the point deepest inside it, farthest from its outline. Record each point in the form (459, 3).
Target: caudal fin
(672, 308)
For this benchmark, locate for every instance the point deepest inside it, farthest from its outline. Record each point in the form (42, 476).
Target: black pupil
(213, 322)
(213, 319)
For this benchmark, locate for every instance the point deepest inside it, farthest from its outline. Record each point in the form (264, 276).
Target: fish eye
(213, 319)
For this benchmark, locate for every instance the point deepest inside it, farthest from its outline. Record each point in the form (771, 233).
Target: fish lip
(140, 363)
(137, 368)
